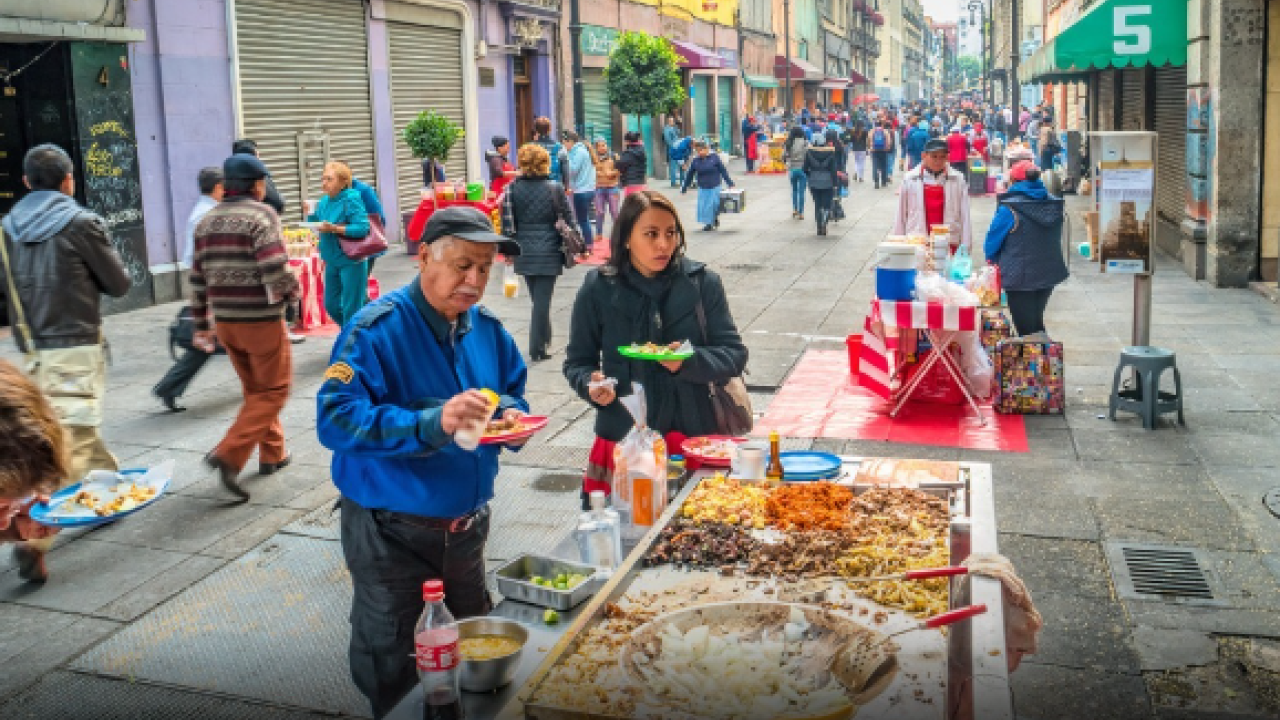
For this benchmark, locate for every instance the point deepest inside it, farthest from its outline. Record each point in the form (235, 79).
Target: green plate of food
(654, 351)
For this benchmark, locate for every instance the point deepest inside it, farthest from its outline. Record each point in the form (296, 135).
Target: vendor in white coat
(934, 194)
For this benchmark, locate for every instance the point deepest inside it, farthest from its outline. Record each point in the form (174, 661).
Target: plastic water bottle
(436, 649)
(599, 534)
(961, 265)
(468, 436)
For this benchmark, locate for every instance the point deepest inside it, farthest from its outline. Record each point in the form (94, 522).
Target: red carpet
(820, 399)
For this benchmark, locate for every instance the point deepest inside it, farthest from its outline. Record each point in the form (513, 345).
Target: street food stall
(449, 194)
(821, 572)
(773, 158)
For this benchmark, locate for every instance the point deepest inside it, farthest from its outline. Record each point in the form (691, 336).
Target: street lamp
(981, 9)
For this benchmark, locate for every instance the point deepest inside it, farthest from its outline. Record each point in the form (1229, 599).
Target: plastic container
(599, 534)
(444, 192)
(436, 650)
(897, 285)
(896, 256)
(475, 192)
(854, 344)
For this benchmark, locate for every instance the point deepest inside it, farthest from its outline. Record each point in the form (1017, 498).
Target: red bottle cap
(433, 590)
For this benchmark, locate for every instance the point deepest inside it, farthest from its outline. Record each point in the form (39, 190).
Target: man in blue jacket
(404, 377)
(915, 142)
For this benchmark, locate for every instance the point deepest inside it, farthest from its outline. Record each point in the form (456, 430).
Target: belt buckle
(462, 524)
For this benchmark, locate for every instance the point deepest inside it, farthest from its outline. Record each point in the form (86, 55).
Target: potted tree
(430, 137)
(643, 76)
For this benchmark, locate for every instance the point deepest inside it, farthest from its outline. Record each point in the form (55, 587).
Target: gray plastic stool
(1145, 398)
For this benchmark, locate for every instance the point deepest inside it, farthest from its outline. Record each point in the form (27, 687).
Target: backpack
(681, 150)
(879, 139)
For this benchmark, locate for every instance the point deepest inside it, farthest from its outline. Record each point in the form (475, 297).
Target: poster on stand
(1125, 191)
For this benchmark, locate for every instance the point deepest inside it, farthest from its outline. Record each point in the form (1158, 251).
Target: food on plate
(685, 542)
(127, 498)
(725, 500)
(83, 498)
(488, 647)
(899, 529)
(809, 506)
(503, 427)
(652, 349)
(710, 449)
(563, 581)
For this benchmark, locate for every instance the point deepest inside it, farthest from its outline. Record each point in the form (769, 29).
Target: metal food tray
(974, 668)
(512, 584)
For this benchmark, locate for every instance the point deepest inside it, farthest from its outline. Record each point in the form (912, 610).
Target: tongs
(923, 574)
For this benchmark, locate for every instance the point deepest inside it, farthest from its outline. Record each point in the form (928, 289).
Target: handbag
(569, 232)
(369, 245)
(729, 401)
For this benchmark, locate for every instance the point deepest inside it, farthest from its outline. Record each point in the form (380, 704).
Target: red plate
(531, 423)
(691, 446)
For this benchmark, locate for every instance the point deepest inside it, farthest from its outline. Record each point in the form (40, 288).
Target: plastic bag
(932, 287)
(976, 364)
(510, 281)
(986, 285)
(640, 466)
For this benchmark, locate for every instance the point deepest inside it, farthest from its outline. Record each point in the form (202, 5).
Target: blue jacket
(369, 197)
(916, 140)
(1003, 221)
(379, 410)
(707, 171)
(580, 175)
(346, 209)
(1025, 238)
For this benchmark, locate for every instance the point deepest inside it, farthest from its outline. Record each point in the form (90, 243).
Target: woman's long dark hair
(797, 133)
(833, 139)
(632, 208)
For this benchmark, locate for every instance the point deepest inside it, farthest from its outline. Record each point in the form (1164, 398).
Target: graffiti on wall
(1200, 153)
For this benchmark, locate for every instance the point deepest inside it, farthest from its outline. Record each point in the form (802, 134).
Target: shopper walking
(650, 292)
(341, 212)
(580, 181)
(882, 143)
(794, 151)
(533, 204)
(917, 136)
(377, 216)
(175, 382)
(820, 167)
(708, 169)
(607, 178)
(245, 146)
(240, 279)
(675, 164)
(1025, 242)
(632, 164)
(842, 173)
(958, 151)
(751, 140)
(58, 261)
(1048, 144)
(542, 136)
(858, 140)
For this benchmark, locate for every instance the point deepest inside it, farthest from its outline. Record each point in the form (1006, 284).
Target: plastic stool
(1145, 399)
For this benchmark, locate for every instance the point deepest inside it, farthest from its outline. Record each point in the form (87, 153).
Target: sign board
(598, 40)
(1125, 189)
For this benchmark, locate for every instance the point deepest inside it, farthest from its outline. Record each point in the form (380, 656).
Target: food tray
(512, 584)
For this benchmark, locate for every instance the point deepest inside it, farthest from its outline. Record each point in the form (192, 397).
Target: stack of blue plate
(807, 466)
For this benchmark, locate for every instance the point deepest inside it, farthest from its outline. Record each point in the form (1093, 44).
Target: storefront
(302, 73)
(757, 73)
(701, 66)
(598, 118)
(805, 79)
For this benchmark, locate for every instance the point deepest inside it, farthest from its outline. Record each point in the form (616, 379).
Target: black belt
(455, 526)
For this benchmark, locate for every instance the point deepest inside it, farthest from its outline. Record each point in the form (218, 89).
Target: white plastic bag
(986, 285)
(640, 466)
(510, 281)
(976, 364)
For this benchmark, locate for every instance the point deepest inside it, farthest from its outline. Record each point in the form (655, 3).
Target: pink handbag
(369, 245)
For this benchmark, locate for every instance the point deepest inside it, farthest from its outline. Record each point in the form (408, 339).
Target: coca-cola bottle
(436, 647)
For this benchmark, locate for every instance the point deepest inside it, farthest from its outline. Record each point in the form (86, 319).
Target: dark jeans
(751, 165)
(389, 556)
(583, 208)
(1046, 159)
(1027, 308)
(822, 204)
(540, 289)
(175, 382)
(880, 167)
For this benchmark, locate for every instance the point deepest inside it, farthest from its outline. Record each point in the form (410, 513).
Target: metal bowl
(481, 676)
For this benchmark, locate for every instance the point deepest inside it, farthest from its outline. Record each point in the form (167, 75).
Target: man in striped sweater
(241, 282)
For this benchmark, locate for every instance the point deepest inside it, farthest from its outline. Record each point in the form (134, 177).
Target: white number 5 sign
(1132, 38)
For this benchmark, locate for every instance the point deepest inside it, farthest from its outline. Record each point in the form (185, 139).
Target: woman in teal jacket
(340, 211)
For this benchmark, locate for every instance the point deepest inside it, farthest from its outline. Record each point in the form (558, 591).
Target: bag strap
(20, 321)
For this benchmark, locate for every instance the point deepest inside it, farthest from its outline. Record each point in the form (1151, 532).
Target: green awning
(1114, 34)
(760, 82)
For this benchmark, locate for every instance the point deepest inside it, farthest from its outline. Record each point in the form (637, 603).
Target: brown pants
(262, 357)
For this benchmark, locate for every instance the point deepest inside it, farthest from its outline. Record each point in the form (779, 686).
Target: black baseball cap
(935, 144)
(469, 224)
(243, 167)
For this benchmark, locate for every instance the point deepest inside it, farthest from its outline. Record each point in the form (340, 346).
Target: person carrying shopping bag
(708, 169)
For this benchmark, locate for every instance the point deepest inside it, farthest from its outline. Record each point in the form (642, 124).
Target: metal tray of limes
(514, 581)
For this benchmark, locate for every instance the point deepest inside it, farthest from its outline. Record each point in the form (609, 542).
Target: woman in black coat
(649, 292)
(820, 166)
(632, 164)
(533, 203)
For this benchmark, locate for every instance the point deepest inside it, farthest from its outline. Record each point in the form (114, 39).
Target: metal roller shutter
(1105, 100)
(1171, 143)
(701, 105)
(1133, 106)
(597, 113)
(426, 74)
(724, 111)
(303, 65)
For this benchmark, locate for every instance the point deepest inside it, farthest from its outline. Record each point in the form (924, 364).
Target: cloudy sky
(942, 10)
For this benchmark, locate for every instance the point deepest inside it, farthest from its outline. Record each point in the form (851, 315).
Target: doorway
(523, 98)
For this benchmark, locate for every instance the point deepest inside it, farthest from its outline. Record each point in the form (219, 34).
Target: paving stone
(1165, 648)
(145, 597)
(1205, 523)
(1113, 445)
(1051, 692)
(276, 490)
(183, 524)
(253, 534)
(1089, 633)
(1049, 516)
(53, 651)
(1236, 450)
(25, 626)
(1215, 620)
(1142, 480)
(1055, 565)
(88, 574)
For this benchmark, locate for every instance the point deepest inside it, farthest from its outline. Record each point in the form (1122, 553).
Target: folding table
(939, 322)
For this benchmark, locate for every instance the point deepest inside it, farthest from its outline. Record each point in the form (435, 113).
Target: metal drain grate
(1163, 573)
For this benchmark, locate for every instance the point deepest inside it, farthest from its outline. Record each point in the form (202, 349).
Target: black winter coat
(631, 163)
(535, 208)
(611, 311)
(820, 165)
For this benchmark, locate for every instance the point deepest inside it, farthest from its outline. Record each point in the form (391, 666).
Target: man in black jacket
(62, 260)
(245, 146)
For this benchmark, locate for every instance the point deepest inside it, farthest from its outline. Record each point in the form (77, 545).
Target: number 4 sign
(1126, 27)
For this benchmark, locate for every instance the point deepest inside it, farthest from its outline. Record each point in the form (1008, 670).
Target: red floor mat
(820, 399)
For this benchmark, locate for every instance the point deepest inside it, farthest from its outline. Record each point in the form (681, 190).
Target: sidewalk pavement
(204, 608)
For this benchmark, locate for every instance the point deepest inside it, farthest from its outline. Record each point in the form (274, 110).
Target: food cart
(773, 159)
(957, 675)
(486, 203)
